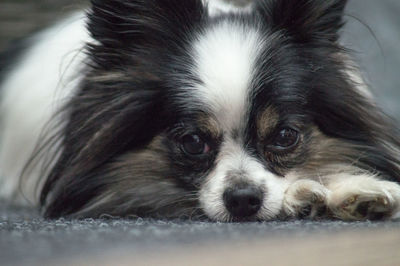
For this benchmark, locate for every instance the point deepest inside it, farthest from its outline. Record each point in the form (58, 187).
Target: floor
(26, 239)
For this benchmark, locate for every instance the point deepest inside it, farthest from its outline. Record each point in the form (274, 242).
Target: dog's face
(186, 114)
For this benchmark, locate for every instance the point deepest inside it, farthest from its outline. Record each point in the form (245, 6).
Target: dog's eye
(285, 139)
(194, 145)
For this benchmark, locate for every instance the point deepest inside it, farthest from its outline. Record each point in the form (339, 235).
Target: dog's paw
(361, 207)
(368, 199)
(305, 199)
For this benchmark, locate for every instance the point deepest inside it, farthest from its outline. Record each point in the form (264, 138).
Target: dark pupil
(193, 144)
(286, 138)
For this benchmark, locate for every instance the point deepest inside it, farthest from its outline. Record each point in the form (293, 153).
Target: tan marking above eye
(209, 125)
(266, 122)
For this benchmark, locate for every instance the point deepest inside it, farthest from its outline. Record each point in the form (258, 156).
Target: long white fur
(31, 94)
(225, 58)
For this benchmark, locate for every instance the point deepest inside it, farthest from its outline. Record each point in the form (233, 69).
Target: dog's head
(184, 113)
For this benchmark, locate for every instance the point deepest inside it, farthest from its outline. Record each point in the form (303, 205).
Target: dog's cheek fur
(329, 156)
(141, 183)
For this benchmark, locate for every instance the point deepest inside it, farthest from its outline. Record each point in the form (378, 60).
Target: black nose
(243, 202)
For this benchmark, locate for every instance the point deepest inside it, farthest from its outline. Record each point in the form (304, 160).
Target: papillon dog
(196, 109)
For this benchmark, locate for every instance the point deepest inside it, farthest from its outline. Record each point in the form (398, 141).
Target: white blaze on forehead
(225, 58)
(225, 63)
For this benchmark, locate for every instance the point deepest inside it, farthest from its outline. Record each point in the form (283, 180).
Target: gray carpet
(26, 239)
(33, 241)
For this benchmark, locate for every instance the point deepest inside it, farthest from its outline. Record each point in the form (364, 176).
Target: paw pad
(362, 208)
(348, 202)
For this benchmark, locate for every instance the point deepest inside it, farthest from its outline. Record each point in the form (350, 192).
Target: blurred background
(372, 32)
(21, 17)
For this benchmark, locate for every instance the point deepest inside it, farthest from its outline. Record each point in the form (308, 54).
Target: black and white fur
(172, 108)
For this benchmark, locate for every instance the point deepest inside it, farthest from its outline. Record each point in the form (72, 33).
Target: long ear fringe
(123, 29)
(117, 23)
(97, 131)
(304, 19)
(354, 118)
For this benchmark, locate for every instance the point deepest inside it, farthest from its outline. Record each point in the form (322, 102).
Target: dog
(196, 109)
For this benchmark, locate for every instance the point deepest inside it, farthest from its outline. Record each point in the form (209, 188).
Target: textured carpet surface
(27, 239)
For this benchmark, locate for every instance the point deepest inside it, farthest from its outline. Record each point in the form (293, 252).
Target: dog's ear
(305, 20)
(121, 23)
(122, 89)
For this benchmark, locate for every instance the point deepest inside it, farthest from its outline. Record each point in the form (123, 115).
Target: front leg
(305, 199)
(363, 197)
